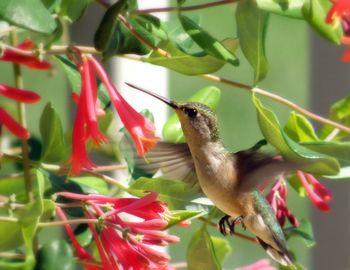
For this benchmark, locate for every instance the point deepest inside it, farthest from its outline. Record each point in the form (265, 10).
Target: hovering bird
(229, 180)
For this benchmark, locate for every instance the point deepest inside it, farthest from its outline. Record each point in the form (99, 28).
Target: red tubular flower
(277, 199)
(128, 245)
(7, 120)
(20, 56)
(141, 129)
(340, 12)
(318, 194)
(263, 264)
(86, 125)
(81, 252)
(19, 95)
(12, 125)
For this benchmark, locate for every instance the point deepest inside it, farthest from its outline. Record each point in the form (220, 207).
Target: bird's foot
(225, 221)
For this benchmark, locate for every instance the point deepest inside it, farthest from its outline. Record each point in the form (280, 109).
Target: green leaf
(51, 4)
(291, 8)
(178, 216)
(300, 129)
(294, 266)
(176, 194)
(343, 174)
(153, 25)
(315, 12)
(75, 81)
(72, 10)
(200, 252)
(28, 14)
(176, 33)
(28, 233)
(339, 150)
(222, 248)
(53, 140)
(251, 28)
(339, 112)
(182, 62)
(124, 42)
(91, 184)
(10, 186)
(83, 234)
(108, 25)
(56, 255)
(304, 231)
(270, 127)
(172, 131)
(207, 42)
(11, 236)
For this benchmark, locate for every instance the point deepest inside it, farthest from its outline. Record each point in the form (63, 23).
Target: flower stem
(22, 120)
(186, 8)
(65, 222)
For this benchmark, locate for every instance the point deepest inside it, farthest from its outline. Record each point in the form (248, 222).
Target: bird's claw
(225, 221)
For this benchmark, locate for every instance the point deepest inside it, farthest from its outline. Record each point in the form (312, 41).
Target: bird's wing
(174, 161)
(257, 169)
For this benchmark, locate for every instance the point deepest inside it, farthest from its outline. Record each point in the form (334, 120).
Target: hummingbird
(229, 180)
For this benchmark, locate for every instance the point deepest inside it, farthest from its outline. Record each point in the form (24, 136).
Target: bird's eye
(191, 112)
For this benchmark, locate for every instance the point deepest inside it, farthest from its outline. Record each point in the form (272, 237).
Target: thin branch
(12, 255)
(240, 235)
(65, 222)
(107, 179)
(279, 99)
(179, 265)
(8, 219)
(65, 169)
(181, 8)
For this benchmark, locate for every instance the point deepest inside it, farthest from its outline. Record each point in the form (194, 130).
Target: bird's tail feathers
(282, 256)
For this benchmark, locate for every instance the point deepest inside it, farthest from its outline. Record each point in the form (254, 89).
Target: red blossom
(263, 264)
(86, 124)
(20, 56)
(82, 254)
(277, 199)
(318, 193)
(141, 129)
(19, 95)
(13, 126)
(123, 244)
(340, 10)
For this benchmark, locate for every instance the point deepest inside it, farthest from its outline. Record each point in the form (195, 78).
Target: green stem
(54, 223)
(70, 222)
(22, 120)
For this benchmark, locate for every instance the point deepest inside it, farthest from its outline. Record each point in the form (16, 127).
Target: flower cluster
(340, 13)
(277, 199)
(318, 193)
(124, 244)
(86, 125)
(19, 55)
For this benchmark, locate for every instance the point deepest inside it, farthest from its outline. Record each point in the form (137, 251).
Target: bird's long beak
(167, 101)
